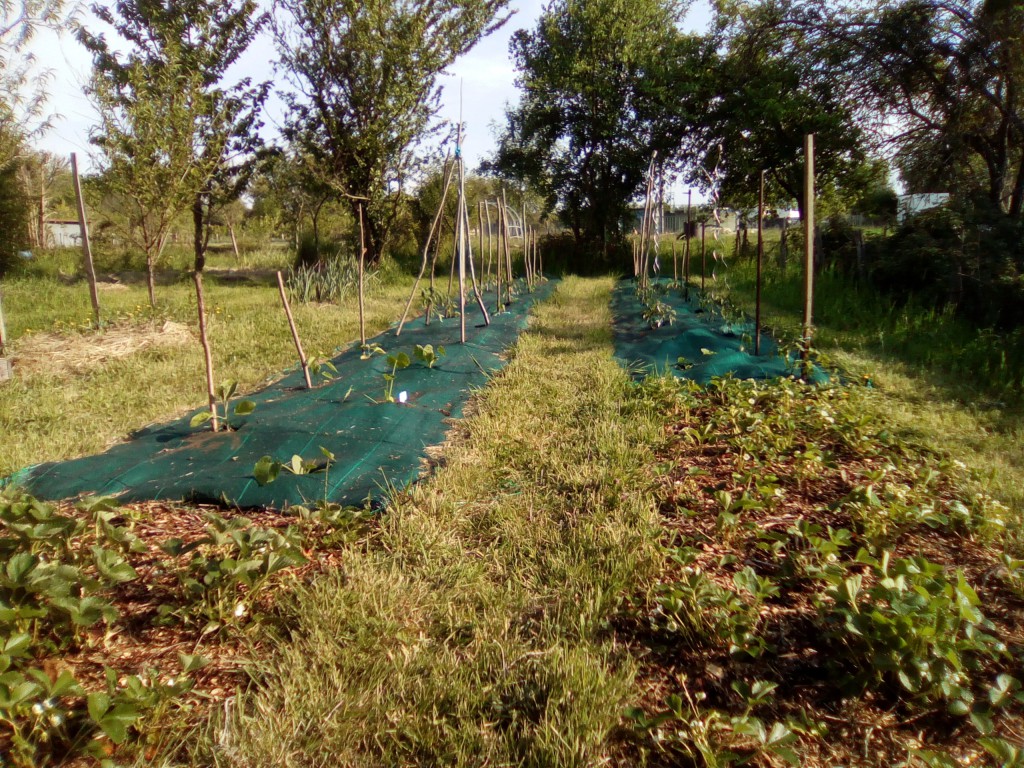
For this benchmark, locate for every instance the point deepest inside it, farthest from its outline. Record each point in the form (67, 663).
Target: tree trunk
(151, 278)
(198, 246)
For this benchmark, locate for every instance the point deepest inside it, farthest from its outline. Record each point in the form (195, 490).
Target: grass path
(472, 627)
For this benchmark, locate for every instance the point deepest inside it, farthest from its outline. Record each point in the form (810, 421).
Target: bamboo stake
(675, 263)
(808, 243)
(197, 278)
(448, 173)
(760, 260)
(498, 265)
(83, 226)
(295, 333)
(362, 270)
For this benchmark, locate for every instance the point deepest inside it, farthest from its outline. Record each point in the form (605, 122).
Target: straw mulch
(56, 354)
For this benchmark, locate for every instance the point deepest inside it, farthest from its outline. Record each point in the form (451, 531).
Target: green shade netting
(710, 345)
(375, 445)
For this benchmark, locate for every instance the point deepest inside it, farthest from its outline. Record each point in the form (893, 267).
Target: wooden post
(83, 226)
(498, 263)
(197, 278)
(686, 254)
(461, 236)
(295, 333)
(480, 229)
(675, 263)
(808, 243)
(703, 253)
(508, 248)
(234, 242)
(5, 366)
(362, 270)
(760, 260)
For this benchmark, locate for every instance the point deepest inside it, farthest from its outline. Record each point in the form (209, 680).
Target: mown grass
(919, 361)
(53, 416)
(473, 626)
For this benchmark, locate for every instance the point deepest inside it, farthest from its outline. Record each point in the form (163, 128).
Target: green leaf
(191, 664)
(244, 407)
(266, 470)
(200, 418)
(112, 566)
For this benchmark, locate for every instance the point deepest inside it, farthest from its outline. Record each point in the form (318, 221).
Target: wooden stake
(760, 261)
(197, 278)
(295, 333)
(808, 243)
(703, 254)
(362, 270)
(686, 255)
(234, 242)
(498, 265)
(83, 227)
(462, 236)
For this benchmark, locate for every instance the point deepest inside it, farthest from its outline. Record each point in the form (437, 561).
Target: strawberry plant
(228, 569)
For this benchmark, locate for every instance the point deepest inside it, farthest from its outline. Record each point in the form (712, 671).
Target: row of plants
(68, 585)
(828, 590)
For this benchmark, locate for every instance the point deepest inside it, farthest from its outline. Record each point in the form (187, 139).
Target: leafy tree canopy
(366, 77)
(606, 85)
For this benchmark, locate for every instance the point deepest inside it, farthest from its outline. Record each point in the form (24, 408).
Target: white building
(63, 233)
(909, 205)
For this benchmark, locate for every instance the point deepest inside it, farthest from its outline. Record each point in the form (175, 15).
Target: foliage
(657, 313)
(367, 74)
(771, 87)
(940, 78)
(225, 392)
(328, 281)
(172, 136)
(427, 355)
(14, 215)
(606, 84)
(228, 570)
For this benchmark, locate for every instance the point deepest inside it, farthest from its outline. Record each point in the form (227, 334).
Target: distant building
(910, 205)
(63, 233)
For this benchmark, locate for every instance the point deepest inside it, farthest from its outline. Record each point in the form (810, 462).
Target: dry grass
(61, 354)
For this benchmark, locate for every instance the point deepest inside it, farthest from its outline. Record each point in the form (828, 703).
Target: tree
(606, 84)
(366, 73)
(22, 87)
(771, 86)
(172, 136)
(943, 79)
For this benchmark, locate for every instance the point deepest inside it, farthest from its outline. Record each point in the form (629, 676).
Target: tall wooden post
(204, 340)
(703, 253)
(5, 366)
(83, 227)
(808, 243)
(362, 272)
(295, 332)
(760, 260)
(686, 253)
(461, 236)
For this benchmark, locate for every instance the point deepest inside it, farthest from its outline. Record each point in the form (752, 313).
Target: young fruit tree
(365, 73)
(174, 135)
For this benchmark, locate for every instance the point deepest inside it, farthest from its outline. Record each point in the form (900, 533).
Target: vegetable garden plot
(699, 344)
(374, 443)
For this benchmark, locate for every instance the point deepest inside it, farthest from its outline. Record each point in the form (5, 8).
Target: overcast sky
(485, 75)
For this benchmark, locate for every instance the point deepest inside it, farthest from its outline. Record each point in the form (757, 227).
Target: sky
(485, 77)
